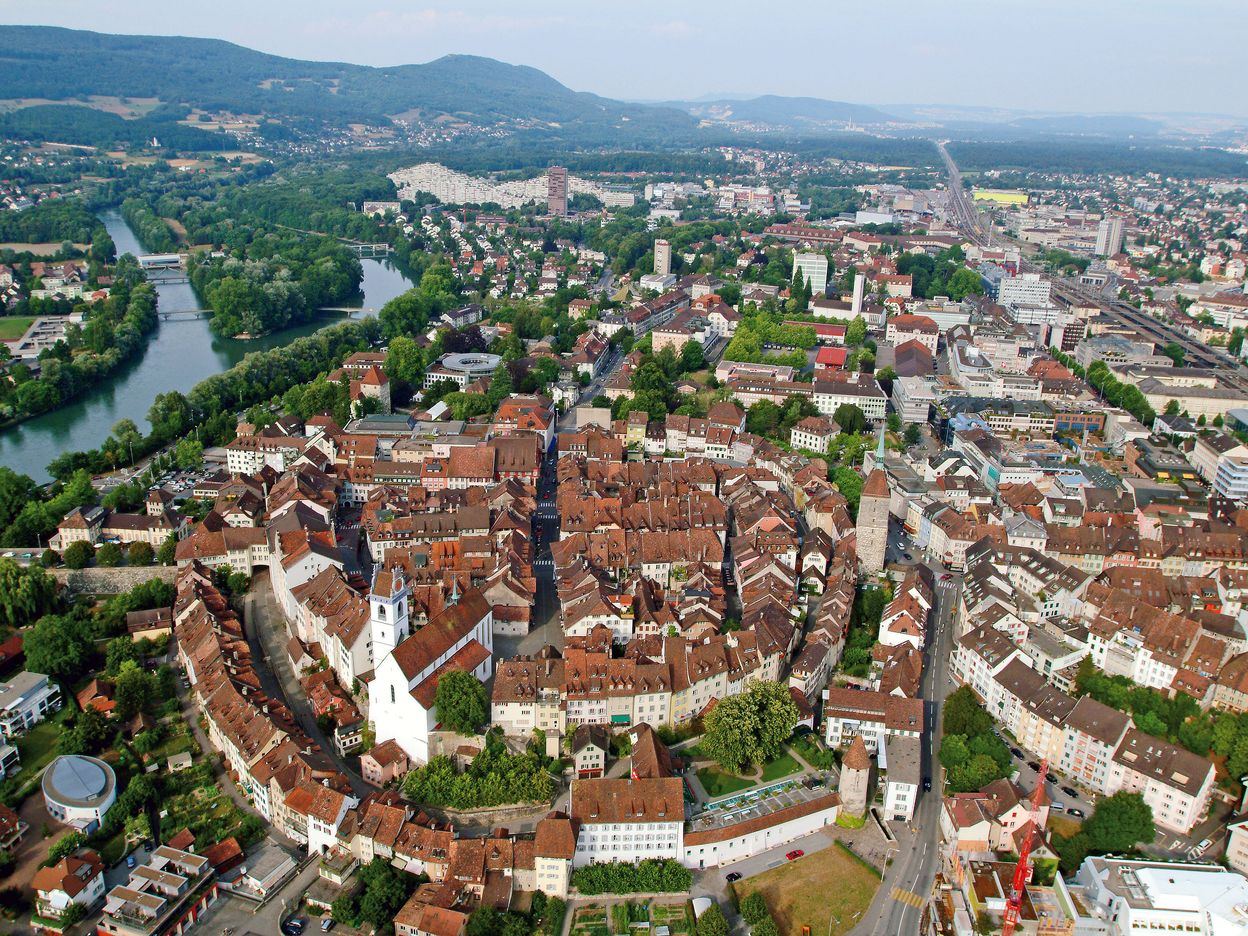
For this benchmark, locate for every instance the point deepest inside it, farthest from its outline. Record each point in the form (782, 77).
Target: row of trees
(650, 876)
(1117, 393)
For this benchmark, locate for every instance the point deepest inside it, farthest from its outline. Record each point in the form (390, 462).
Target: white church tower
(387, 606)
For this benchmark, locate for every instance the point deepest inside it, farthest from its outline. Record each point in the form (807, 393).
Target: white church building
(401, 696)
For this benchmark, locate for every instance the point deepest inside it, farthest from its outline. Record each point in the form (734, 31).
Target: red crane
(1022, 870)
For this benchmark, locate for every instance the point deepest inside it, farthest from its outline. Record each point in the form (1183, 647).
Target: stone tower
(873, 522)
(855, 785)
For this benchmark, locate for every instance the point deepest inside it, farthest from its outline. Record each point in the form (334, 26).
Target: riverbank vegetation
(114, 330)
(30, 514)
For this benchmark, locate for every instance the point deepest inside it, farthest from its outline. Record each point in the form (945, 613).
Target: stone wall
(100, 581)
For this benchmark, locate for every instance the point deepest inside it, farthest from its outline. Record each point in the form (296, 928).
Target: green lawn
(38, 748)
(717, 783)
(827, 892)
(14, 326)
(782, 766)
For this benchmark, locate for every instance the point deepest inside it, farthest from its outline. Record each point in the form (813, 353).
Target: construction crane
(1022, 870)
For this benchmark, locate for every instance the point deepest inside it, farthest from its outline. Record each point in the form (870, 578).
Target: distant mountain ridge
(795, 113)
(65, 64)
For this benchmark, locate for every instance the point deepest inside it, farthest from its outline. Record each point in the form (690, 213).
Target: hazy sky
(1094, 55)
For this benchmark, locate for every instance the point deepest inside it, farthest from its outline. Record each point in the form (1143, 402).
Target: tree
(855, 332)
(886, 376)
(750, 728)
(59, 645)
(765, 927)
(1118, 824)
(964, 715)
(385, 891)
(16, 490)
(26, 594)
(345, 909)
(712, 922)
(73, 913)
(167, 551)
(762, 418)
(63, 847)
(913, 435)
(78, 555)
(754, 908)
(1172, 408)
(188, 453)
(139, 554)
(462, 703)
(49, 558)
(691, 357)
(850, 418)
(108, 555)
(135, 689)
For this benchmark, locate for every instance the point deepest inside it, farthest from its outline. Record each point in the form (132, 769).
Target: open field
(815, 891)
(13, 327)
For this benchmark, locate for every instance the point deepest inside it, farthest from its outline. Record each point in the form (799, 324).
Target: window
(392, 700)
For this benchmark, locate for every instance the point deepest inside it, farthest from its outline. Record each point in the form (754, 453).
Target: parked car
(795, 854)
(1033, 765)
(927, 784)
(1075, 813)
(327, 924)
(1203, 844)
(129, 861)
(1069, 791)
(1058, 807)
(293, 927)
(732, 876)
(1016, 753)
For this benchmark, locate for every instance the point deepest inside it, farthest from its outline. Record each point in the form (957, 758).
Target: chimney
(860, 284)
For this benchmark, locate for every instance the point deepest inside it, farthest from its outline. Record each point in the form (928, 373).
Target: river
(179, 354)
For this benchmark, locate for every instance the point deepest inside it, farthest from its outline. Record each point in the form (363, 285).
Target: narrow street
(908, 880)
(265, 627)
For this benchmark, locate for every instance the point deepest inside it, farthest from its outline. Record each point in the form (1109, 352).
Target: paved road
(898, 905)
(241, 917)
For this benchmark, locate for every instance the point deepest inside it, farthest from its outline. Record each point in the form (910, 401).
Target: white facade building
(814, 269)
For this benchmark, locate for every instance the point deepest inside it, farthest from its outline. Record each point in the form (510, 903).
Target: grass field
(782, 766)
(717, 783)
(13, 327)
(815, 891)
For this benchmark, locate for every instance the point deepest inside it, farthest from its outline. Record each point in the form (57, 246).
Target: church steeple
(879, 452)
(388, 619)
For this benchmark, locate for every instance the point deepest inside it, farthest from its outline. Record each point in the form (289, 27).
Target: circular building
(463, 368)
(79, 790)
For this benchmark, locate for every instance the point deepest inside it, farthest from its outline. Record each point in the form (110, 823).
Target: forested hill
(65, 64)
